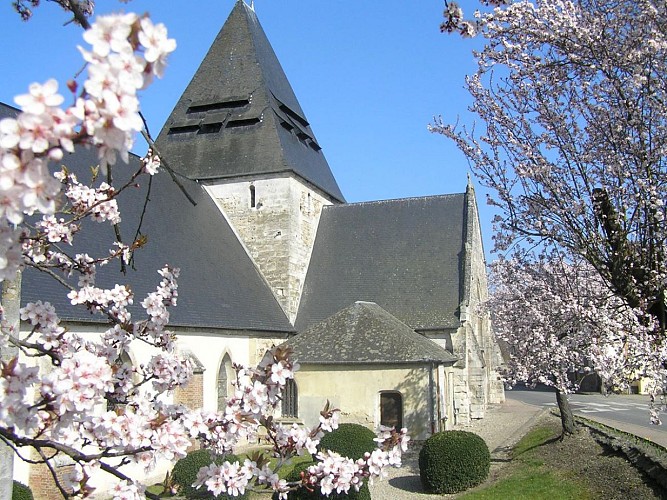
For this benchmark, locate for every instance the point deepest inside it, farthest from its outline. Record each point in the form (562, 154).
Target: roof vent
(205, 106)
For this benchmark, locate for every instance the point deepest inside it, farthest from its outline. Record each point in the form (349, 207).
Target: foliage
(21, 492)
(452, 461)
(567, 310)
(340, 470)
(572, 138)
(349, 440)
(304, 493)
(185, 471)
(568, 320)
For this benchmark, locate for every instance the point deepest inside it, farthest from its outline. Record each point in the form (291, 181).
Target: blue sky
(370, 77)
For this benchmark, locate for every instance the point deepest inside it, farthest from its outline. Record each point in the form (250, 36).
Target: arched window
(224, 381)
(391, 409)
(253, 202)
(290, 405)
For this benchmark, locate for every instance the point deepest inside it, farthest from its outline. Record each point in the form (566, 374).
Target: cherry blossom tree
(81, 10)
(54, 394)
(573, 134)
(557, 317)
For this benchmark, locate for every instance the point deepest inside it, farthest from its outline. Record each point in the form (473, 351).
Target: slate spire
(239, 116)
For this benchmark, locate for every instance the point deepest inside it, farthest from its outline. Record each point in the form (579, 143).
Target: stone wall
(485, 385)
(356, 389)
(278, 232)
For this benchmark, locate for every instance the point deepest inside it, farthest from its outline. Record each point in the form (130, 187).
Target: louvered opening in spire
(239, 116)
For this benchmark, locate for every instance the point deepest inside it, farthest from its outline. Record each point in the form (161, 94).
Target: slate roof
(7, 111)
(405, 255)
(364, 333)
(239, 115)
(219, 286)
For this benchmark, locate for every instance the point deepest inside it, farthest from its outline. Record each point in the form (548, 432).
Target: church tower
(238, 129)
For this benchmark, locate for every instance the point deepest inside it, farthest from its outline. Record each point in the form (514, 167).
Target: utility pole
(11, 303)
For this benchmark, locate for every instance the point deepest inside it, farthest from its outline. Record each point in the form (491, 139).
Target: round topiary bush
(452, 461)
(21, 492)
(349, 440)
(185, 472)
(304, 494)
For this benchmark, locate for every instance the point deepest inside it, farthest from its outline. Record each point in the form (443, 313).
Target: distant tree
(558, 317)
(572, 98)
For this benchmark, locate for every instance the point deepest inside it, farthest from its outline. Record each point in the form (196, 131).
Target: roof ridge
(364, 332)
(395, 200)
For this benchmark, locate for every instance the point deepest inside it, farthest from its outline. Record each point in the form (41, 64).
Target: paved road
(630, 409)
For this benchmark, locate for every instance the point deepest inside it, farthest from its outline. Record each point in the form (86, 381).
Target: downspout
(432, 398)
(438, 395)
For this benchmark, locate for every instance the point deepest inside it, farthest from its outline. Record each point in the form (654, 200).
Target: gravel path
(503, 426)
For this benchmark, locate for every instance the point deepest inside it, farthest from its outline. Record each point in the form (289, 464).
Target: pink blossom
(280, 373)
(40, 98)
(153, 37)
(110, 33)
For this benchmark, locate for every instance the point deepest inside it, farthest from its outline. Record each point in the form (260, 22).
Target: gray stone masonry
(278, 232)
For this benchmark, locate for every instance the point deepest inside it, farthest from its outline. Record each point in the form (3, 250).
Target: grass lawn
(578, 468)
(528, 477)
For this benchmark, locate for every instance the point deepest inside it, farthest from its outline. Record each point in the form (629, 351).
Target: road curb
(646, 455)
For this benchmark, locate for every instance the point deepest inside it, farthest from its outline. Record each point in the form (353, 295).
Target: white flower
(151, 163)
(129, 70)
(331, 423)
(40, 97)
(110, 33)
(10, 133)
(157, 46)
(36, 132)
(280, 373)
(39, 313)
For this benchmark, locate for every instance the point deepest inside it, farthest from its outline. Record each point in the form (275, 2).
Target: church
(379, 300)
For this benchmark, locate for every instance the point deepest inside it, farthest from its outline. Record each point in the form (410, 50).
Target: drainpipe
(432, 398)
(438, 396)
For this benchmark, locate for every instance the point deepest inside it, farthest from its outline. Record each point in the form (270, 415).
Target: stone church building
(377, 299)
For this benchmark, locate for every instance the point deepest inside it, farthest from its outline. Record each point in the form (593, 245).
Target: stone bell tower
(239, 130)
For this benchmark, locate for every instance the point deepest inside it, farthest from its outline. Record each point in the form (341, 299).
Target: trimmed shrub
(21, 492)
(453, 461)
(185, 473)
(304, 494)
(349, 440)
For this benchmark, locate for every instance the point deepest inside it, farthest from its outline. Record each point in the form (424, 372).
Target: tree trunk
(566, 416)
(11, 303)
